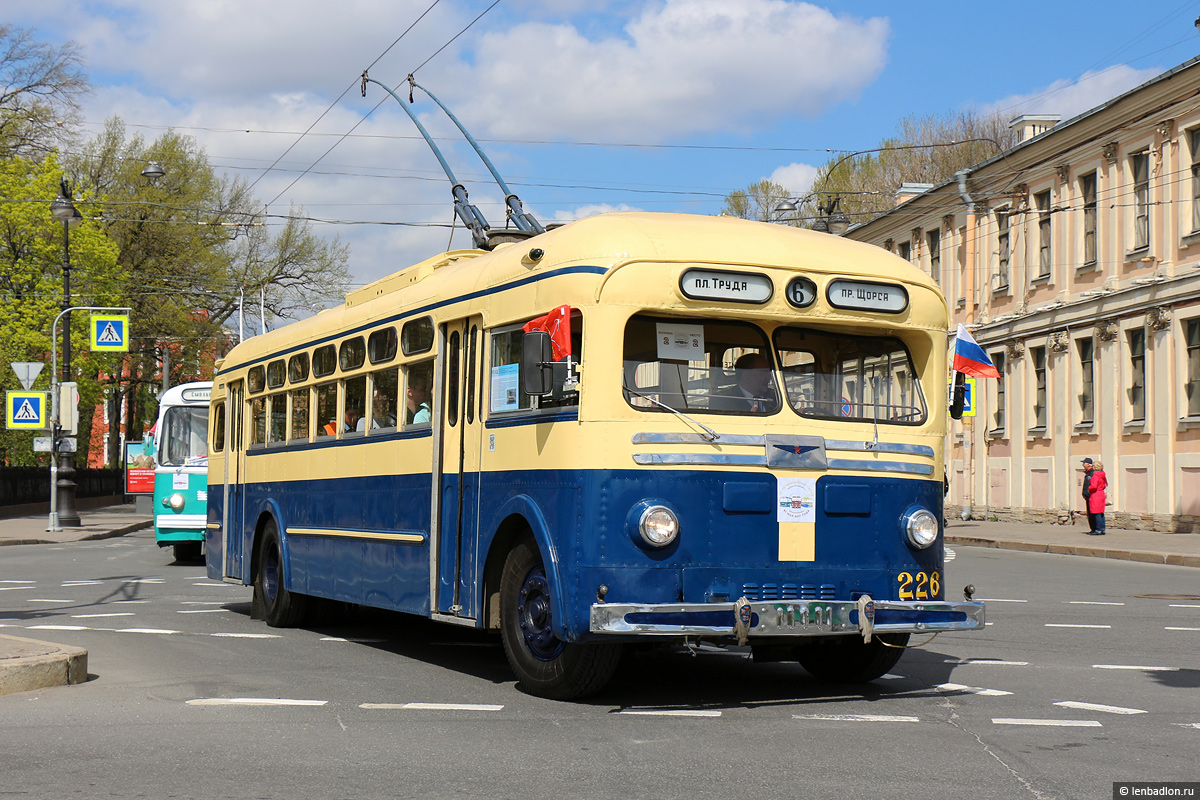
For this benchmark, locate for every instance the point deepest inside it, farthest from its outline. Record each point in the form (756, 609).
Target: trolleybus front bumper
(785, 619)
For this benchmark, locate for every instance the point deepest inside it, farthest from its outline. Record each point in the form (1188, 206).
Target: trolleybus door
(232, 522)
(457, 473)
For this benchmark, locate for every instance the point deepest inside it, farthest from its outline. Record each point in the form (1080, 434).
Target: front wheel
(280, 607)
(852, 660)
(545, 665)
(187, 551)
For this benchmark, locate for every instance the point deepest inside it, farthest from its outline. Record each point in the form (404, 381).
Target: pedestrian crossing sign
(27, 411)
(110, 333)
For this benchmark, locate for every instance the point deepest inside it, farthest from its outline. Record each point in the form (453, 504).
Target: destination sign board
(197, 395)
(733, 287)
(886, 298)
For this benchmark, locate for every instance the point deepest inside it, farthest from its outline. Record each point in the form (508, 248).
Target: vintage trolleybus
(632, 427)
(181, 469)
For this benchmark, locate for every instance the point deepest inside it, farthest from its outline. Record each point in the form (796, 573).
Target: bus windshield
(864, 378)
(185, 429)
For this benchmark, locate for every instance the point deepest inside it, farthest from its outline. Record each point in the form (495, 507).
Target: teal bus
(181, 469)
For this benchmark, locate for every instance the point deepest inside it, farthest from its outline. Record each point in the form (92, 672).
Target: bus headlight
(175, 501)
(920, 528)
(658, 526)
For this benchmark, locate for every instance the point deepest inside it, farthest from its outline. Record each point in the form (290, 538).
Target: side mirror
(537, 371)
(959, 398)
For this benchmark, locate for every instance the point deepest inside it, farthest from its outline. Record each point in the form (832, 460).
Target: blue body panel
(727, 548)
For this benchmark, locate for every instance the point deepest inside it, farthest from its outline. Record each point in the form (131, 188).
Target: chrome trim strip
(882, 447)
(700, 459)
(881, 466)
(794, 618)
(466, 622)
(404, 537)
(693, 438)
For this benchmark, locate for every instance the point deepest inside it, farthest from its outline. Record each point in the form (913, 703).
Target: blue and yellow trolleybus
(632, 427)
(181, 469)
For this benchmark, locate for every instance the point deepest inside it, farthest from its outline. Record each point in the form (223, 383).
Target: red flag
(558, 324)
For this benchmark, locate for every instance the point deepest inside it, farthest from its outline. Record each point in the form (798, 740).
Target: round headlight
(659, 526)
(176, 501)
(921, 528)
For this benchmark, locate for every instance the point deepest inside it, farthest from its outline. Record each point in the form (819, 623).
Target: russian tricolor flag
(969, 357)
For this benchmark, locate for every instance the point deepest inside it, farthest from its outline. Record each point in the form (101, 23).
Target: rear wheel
(280, 608)
(187, 551)
(852, 660)
(544, 664)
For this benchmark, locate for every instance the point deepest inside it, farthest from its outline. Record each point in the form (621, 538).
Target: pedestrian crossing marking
(27, 413)
(109, 335)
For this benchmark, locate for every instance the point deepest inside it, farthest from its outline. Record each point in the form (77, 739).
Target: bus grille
(788, 591)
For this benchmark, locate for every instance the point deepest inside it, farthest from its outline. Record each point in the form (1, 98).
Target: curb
(26, 664)
(137, 526)
(1172, 559)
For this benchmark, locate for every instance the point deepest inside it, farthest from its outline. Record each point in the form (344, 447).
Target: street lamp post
(62, 209)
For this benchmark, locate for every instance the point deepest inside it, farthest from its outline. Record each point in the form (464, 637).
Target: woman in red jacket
(1097, 483)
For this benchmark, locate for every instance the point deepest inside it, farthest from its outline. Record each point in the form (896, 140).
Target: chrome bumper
(791, 618)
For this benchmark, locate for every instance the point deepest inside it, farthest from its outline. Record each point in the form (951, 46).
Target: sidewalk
(26, 664)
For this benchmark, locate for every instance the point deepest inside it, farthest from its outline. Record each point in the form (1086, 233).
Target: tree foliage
(759, 201)
(40, 90)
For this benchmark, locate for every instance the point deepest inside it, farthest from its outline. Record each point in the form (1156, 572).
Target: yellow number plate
(919, 586)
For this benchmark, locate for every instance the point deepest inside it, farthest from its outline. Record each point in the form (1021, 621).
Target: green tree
(758, 201)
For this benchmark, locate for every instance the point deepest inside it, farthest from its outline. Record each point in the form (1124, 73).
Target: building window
(1000, 281)
(1042, 201)
(1037, 356)
(1194, 140)
(1087, 191)
(1001, 400)
(934, 240)
(1087, 388)
(904, 250)
(1139, 165)
(1192, 387)
(1137, 374)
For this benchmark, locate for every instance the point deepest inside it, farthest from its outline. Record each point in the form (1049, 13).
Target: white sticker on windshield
(677, 342)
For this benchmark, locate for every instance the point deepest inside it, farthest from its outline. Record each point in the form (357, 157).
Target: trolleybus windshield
(184, 438)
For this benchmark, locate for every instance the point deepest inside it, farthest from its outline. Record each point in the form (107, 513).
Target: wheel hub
(534, 613)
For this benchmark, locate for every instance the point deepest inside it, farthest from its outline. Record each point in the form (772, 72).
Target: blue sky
(583, 105)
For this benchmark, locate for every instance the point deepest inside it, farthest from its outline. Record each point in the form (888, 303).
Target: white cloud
(682, 67)
(796, 178)
(1069, 98)
(563, 215)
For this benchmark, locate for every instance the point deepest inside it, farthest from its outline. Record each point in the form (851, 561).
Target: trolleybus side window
(704, 366)
(508, 395)
(298, 368)
(275, 374)
(385, 390)
(416, 336)
(351, 354)
(258, 421)
(277, 430)
(256, 380)
(846, 377)
(218, 429)
(355, 410)
(326, 409)
(471, 353)
(452, 357)
(418, 399)
(381, 345)
(299, 429)
(324, 361)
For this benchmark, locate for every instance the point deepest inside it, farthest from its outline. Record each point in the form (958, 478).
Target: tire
(545, 665)
(853, 661)
(280, 607)
(187, 551)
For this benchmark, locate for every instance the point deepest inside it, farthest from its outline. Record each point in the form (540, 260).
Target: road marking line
(247, 635)
(18, 581)
(1187, 724)
(10, 588)
(200, 611)
(958, 687)
(213, 584)
(131, 601)
(1180, 629)
(1184, 605)
(1071, 625)
(56, 628)
(253, 701)
(68, 584)
(985, 662)
(671, 712)
(431, 706)
(858, 717)
(143, 630)
(46, 600)
(1133, 666)
(891, 677)
(203, 602)
(1092, 603)
(354, 639)
(998, 600)
(1057, 723)
(148, 580)
(110, 614)
(1097, 707)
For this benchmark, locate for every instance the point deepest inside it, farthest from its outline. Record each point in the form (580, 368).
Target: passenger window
(506, 392)
(324, 361)
(381, 346)
(385, 390)
(258, 421)
(275, 374)
(418, 398)
(298, 368)
(416, 336)
(278, 429)
(354, 415)
(256, 380)
(299, 413)
(326, 409)
(351, 354)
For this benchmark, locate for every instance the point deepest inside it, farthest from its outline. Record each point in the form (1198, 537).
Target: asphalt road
(1087, 674)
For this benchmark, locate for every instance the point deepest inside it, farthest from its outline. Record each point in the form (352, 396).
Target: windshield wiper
(709, 433)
